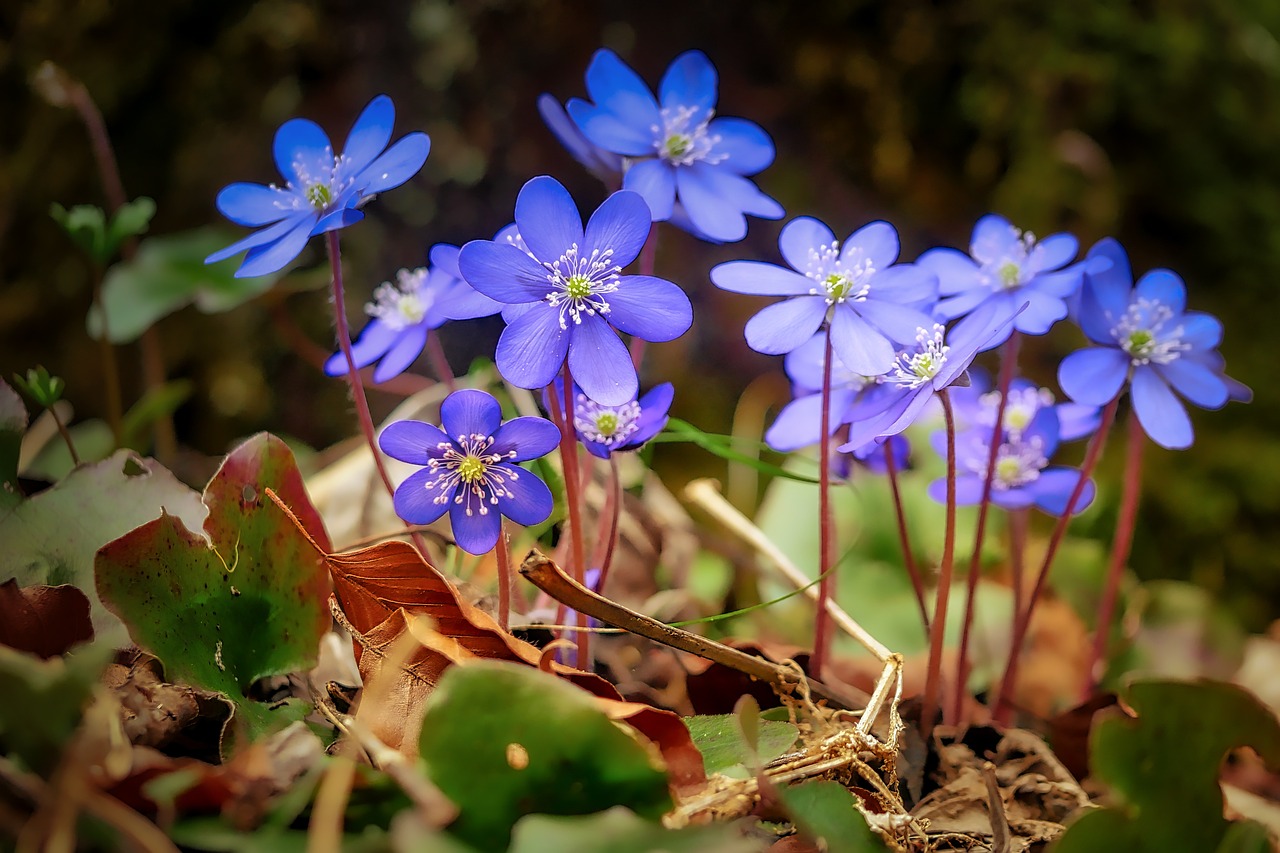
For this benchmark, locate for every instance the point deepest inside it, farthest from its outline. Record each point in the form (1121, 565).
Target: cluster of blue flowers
(563, 291)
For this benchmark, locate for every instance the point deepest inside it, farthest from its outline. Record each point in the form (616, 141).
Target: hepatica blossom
(1007, 268)
(870, 302)
(469, 468)
(690, 165)
(977, 404)
(404, 313)
(322, 190)
(573, 278)
(1147, 338)
(605, 430)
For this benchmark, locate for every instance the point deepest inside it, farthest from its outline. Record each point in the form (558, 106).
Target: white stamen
(404, 303)
(1142, 334)
(839, 281)
(468, 473)
(1008, 270)
(607, 425)
(1024, 404)
(683, 138)
(579, 284)
(1018, 463)
(915, 369)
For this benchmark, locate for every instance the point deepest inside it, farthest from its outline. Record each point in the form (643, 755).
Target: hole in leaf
(133, 467)
(249, 494)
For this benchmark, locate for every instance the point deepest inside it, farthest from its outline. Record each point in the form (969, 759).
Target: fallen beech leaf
(43, 620)
(668, 731)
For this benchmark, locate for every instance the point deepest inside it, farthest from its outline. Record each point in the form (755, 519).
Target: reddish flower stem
(904, 539)
(502, 551)
(1120, 548)
(440, 363)
(562, 414)
(1008, 360)
(937, 629)
(1002, 702)
(822, 628)
(1018, 521)
(602, 557)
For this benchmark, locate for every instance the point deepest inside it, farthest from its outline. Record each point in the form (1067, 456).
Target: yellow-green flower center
(1010, 274)
(677, 145)
(319, 195)
(1008, 469)
(471, 469)
(838, 285)
(607, 423)
(1139, 343)
(577, 287)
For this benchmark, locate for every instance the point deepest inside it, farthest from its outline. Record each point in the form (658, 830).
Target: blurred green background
(1152, 122)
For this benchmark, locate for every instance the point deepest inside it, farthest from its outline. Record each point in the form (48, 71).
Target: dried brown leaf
(43, 620)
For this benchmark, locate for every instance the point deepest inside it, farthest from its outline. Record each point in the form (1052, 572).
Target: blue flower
(605, 165)
(1023, 476)
(605, 430)
(404, 314)
(976, 406)
(870, 302)
(580, 296)
(1007, 267)
(322, 192)
(1147, 338)
(469, 468)
(689, 165)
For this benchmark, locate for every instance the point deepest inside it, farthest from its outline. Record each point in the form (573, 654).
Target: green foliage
(620, 831)
(722, 446)
(242, 602)
(502, 741)
(39, 387)
(44, 701)
(826, 811)
(13, 425)
(723, 749)
(1162, 768)
(88, 228)
(169, 273)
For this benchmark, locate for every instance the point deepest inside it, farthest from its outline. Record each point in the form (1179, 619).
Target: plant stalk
(937, 629)
(904, 538)
(826, 535)
(562, 413)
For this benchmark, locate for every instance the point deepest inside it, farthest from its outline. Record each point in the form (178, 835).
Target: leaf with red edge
(244, 601)
(44, 620)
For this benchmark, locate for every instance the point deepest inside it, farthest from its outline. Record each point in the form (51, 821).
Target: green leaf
(51, 538)
(130, 220)
(825, 811)
(169, 273)
(44, 701)
(502, 741)
(1162, 767)
(13, 425)
(86, 225)
(722, 446)
(621, 831)
(39, 387)
(244, 601)
(719, 739)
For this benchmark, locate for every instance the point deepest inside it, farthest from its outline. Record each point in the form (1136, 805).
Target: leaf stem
(66, 436)
(826, 535)
(937, 629)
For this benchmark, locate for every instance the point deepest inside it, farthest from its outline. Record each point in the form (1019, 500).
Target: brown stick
(551, 579)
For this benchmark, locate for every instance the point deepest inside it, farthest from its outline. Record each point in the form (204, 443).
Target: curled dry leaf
(43, 620)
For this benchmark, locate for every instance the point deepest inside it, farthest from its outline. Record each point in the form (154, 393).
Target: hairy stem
(1002, 702)
(1120, 548)
(826, 534)
(602, 556)
(439, 362)
(937, 629)
(904, 538)
(1008, 359)
(562, 414)
(502, 551)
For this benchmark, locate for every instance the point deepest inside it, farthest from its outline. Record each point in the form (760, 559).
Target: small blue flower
(322, 192)
(605, 430)
(1007, 267)
(1148, 339)
(605, 165)
(574, 280)
(470, 470)
(870, 302)
(799, 423)
(1022, 476)
(404, 314)
(976, 406)
(690, 166)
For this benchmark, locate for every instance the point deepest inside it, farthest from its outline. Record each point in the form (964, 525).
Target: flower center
(1008, 270)
(1019, 412)
(839, 281)
(683, 138)
(1144, 333)
(467, 474)
(323, 188)
(911, 370)
(607, 425)
(404, 303)
(579, 284)
(320, 195)
(1018, 463)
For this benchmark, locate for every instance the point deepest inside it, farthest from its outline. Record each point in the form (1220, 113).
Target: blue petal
(993, 237)
(603, 164)
(400, 163)
(897, 322)
(1093, 376)
(254, 204)
(956, 271)
(259, 238)
(1201, 331)
(804, 363)
(530, 501)
(532, 348)
(961, 304)
(745, 146)
(404, 353)
(1110, 250)
(303, 152)
(463, 302)
(984, 328)
(444, 257)
(502, 272)
(1162, 415)
(797, 425)
(548, 219)
(474, 531)
(620, 225)
(375, 339)
(1052, 252)
(782, 327)
(710, 211)
(654, 406)
(905, 284)
(529, 437)
(876, 241)
(1195, 381)
(1076, 420)
(1052, 491)
(860, 346)
(469, 412)
(1164, 287)
(690, 81)
(1041, 313)
(614, 86)
(600, 364)
(273, 257)
(340, 218)
(370, 133)
(800, 239)
(415, 503)
(652, 309)
(760, 279)
(656, 181)
(601, 127)
(871, 428)
(414, 442)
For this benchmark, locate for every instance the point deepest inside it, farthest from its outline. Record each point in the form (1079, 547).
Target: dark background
(1156, 123)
